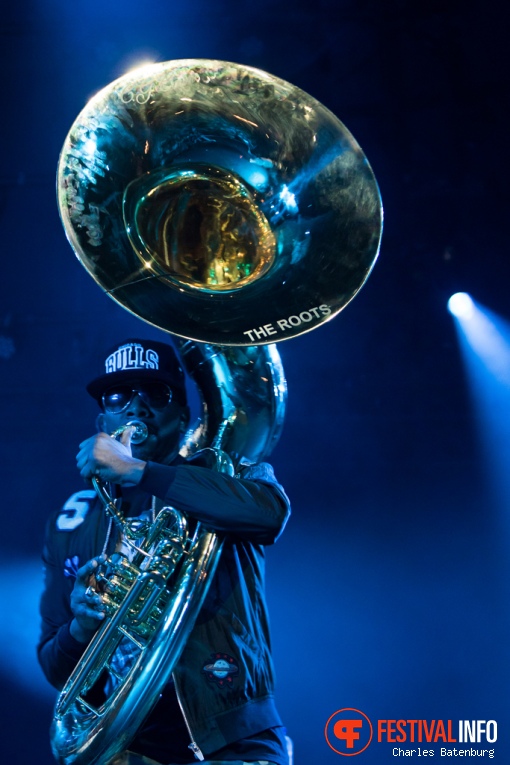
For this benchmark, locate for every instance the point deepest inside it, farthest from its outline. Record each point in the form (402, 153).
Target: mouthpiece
(139, 434)
(140, 431)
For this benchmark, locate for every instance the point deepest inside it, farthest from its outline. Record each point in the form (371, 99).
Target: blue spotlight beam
(19, 629)
(485, 344)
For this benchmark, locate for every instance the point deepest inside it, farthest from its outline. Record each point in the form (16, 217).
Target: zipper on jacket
(193, 746)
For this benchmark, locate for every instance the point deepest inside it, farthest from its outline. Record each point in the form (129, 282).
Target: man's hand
(86, 603)
(110, 460)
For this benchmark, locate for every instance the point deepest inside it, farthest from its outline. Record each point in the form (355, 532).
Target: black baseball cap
(140, 360)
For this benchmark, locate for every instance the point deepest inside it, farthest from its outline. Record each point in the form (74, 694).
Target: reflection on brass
(202, 228)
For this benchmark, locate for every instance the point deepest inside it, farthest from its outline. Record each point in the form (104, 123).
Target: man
(219, 706)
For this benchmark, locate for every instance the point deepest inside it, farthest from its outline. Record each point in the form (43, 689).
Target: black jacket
(232, 627)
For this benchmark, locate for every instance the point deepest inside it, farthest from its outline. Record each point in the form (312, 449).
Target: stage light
(139, 66)
(461, 305)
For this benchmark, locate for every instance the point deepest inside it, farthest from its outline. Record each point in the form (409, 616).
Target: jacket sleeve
(253, 507)
(57, 650)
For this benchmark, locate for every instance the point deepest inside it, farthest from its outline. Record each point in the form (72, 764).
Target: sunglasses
(155, 395)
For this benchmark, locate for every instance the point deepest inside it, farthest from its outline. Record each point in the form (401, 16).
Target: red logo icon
(348, 732)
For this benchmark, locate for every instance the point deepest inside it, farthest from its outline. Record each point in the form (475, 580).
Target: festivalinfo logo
(349, 732)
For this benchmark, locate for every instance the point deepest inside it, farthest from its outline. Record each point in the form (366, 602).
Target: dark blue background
(389, 589)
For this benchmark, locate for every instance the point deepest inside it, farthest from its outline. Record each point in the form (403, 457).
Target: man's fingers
(81, 459)
(92, 597)
(90, 613)
(88, 569)
(110, 460)
(125, 437)
(87, 472)
(89, 449)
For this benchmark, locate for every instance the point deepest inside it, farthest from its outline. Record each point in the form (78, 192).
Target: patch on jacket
(221, 669)
(75, 509)
(71, 566)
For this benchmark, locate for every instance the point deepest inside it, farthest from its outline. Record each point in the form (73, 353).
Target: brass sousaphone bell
(218, 202)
